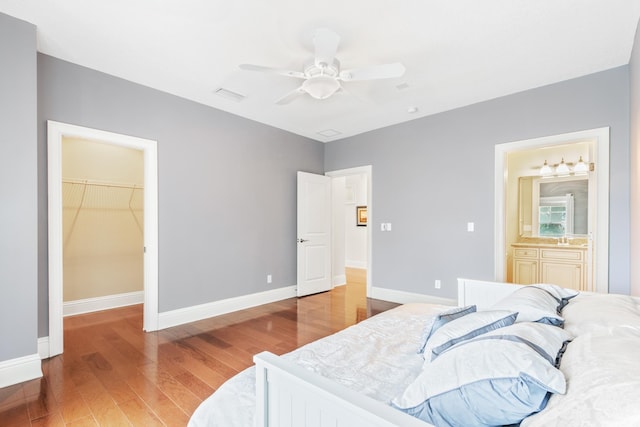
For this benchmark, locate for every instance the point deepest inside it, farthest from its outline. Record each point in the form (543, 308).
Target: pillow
(547, 340)
(563, 294)
(603, 382)
(557, 291)
(536, 303)
(465, 328)
(597, 312)
(497, 378)
(436, 322)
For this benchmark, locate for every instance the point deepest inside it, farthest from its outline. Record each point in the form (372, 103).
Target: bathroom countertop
(571, 245)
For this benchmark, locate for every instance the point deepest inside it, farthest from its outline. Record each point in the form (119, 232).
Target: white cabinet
(525, 265)
(562, 265)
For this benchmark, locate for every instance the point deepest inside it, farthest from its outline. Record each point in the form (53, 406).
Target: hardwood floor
(113, 374)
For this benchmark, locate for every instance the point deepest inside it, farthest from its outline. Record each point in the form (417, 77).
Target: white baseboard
(89, 305)
(339, 280)
(43, 347)
(355, 264)
(21, 369)
(402, 297)
(216, 308)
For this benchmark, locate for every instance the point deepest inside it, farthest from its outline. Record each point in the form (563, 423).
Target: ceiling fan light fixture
(321, 87)
(322, 75)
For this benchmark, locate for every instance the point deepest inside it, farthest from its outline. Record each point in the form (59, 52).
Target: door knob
(302, 240)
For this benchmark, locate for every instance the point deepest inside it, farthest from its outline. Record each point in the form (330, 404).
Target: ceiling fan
(322, 76)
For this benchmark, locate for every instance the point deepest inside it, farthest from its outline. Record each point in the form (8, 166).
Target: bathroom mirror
(552, 195)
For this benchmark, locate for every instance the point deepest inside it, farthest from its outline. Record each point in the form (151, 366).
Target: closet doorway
(102, 226)
(108, 199)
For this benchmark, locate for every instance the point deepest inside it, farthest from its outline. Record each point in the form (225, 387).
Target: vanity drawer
(525, 252)
(563, 254)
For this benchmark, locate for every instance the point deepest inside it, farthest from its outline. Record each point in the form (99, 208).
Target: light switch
(383, 226)
(388, 226)
(470, 226)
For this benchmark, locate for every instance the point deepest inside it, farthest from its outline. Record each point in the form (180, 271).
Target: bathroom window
(555, 216)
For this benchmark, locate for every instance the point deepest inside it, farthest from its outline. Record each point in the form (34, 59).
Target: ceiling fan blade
(290, 96)
(279, 71)
(326, 45)
(383, 71)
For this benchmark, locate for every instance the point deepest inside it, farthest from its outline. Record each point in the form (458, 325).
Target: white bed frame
(288, 395)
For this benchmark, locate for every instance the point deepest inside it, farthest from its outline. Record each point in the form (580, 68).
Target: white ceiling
(456, 52)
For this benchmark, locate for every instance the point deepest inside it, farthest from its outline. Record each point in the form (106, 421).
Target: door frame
(600, 138)
(368, 171)
(56, 132)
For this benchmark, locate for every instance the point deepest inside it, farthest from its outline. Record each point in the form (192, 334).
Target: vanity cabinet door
(525, 271)
(567, 275)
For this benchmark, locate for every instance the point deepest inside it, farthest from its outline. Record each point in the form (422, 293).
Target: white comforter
(377, 357)
(600, 365)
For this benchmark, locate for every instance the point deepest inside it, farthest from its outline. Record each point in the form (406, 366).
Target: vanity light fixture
(580, 168)
(545, 170)
(562, 169)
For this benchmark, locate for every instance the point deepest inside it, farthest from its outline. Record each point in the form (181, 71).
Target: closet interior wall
(103, 240)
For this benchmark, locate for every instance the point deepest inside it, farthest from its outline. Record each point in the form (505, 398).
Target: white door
(314, 233)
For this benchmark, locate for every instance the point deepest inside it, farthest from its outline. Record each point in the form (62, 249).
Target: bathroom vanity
(548, 262)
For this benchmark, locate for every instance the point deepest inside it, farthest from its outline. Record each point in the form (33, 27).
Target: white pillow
(548, 340)
(436, 322)
(597, 312)
(465, 328)
(497, 378)
(603, 382)
(536, 303)
(557, 291)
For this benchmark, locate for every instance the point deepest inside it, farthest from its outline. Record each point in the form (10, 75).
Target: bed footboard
(288, 395)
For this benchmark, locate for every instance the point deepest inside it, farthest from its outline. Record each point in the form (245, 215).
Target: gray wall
(227, 185)
(433, 175)
(18, 202)
(634, 74)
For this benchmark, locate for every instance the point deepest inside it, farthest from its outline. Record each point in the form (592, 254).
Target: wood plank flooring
(113, 374)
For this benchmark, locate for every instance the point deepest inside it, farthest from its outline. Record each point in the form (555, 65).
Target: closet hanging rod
(101, 183)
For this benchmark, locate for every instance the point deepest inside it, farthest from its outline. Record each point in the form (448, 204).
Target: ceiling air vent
(229, 94)
(329, 133)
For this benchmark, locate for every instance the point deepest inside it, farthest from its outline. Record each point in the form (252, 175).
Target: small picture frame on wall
(361, 216)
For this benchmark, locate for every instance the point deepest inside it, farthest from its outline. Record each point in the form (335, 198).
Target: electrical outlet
(438, 284)
(268, 278)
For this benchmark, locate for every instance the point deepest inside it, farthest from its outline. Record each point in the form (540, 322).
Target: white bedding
(378, 358)
(600, 365)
